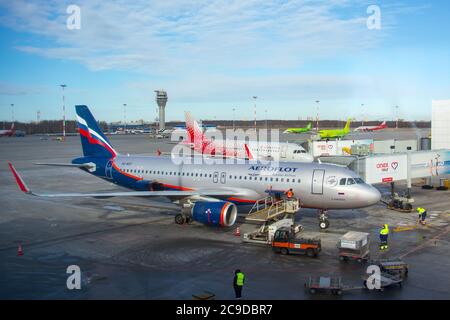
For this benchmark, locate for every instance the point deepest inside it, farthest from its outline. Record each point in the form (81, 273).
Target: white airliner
(260, 150)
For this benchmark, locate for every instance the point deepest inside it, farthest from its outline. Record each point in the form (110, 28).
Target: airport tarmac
(128, 250)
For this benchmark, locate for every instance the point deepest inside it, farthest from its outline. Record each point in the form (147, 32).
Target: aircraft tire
(324, 224)
(180, 219)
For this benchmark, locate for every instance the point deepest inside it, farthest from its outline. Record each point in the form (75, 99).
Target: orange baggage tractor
(285, 242)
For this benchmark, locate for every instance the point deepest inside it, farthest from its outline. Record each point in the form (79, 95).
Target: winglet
(19, 180)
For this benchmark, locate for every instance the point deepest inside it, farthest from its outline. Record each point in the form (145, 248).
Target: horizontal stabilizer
(74, 165)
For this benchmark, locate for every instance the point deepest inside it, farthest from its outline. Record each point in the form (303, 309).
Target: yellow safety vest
(420, 210)
(384, 231)
(240, 279)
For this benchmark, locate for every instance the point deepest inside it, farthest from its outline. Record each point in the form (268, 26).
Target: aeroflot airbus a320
(210, 194)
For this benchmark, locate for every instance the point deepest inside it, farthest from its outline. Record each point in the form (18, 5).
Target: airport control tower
(161, 100)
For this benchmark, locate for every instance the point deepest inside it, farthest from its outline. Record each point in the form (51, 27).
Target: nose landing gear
(324, 223)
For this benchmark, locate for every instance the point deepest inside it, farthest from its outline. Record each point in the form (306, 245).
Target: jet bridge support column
(408, 172)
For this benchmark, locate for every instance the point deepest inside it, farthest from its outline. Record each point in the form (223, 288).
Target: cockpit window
(359, 181)
(350, 181)
(342, 182)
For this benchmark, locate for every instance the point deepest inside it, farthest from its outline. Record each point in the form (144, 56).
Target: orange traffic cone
(20, 250)
(237, 233)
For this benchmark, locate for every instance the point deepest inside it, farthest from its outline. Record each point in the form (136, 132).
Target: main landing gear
(182, 219)
(324, 223)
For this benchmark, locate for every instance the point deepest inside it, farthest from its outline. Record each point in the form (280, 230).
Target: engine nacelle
(215, 213)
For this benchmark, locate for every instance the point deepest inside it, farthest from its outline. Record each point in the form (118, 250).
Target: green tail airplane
(335, 133)
(299, 130)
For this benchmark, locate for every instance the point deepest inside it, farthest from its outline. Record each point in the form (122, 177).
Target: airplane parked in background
(299, 130)
(335, 133)
(210, 194)
(8, 133)
(381, 126)
(241, 149)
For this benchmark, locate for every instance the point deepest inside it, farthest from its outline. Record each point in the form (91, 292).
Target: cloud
(166, 37)
(7, 89)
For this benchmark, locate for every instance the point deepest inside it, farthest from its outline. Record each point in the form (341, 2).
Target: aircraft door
(216, 177)
(108, 170)
(283, 150)
(223, 177)
(317, 181)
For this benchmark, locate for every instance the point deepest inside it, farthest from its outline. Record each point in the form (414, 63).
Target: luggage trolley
(331, 285)
(354, 246)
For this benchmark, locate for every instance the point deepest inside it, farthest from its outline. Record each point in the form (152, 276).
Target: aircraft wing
(171, 194)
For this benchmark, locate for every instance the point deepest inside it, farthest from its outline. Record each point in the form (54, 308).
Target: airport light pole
(12, 112)
(267, 125)
(396, 109)
(362, 122)
(64, 110)
(317, 116)
(125, 118)
(254, 98)
(234, 109)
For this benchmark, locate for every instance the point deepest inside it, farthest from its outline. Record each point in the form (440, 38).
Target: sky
(213, 56)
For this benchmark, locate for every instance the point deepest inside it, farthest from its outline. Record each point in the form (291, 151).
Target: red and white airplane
(381, 126)
(241, 149)
(8, 133)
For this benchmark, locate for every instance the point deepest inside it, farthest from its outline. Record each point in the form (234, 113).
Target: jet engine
(217, 213)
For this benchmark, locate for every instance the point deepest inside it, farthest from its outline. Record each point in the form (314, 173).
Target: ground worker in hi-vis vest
(384, 234)
(422, 215)
(238, 283)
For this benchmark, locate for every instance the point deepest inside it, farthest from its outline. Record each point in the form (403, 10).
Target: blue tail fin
(93, 141)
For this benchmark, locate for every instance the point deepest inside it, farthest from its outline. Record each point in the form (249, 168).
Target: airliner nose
(309, 158)
(373, 195)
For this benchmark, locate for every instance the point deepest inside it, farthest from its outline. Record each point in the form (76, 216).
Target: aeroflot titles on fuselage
(273, 169)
